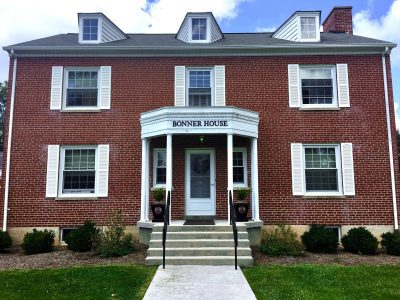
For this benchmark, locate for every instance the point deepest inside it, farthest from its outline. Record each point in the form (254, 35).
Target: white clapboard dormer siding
(54, 176)
(345, 168)
(59, 85)
(218, 86)
(342, 84)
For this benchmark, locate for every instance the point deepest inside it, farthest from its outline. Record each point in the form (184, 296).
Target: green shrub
(391, 242)
(82, 239)
(320, 240)
(5, 240)
(360, 241)
(281, 241)
(113, 241)
(38, 241)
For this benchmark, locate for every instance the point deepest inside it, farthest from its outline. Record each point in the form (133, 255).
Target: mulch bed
(62, 257)
(341, 258)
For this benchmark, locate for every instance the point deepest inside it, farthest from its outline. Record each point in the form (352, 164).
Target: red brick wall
(339, 20)
(256, 83)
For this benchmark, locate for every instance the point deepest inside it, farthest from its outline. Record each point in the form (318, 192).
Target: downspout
(10, 126)
(389, 129)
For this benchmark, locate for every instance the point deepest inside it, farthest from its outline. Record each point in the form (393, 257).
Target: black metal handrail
(166, 223)
(233, 223)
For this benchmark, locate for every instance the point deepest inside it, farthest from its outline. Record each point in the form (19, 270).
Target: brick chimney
(339, 20)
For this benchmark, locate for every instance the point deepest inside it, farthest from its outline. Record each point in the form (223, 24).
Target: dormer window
(308, 28)
(90, 30)
(199, 29)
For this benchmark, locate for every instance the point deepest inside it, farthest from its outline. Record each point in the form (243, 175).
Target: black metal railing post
(166, 223)
(233, 223)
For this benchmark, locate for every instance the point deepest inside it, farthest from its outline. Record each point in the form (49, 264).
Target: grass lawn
(324, 282)
(94, 282)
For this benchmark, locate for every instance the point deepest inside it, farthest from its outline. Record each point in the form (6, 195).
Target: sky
(24, 20)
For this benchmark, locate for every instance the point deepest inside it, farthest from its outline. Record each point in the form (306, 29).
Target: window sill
(160, 186)
(328, 195)
(319, 108)
(82, 110)
(76, 198)
(240, 186)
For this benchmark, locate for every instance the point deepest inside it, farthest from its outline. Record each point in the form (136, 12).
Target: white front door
(200, 182)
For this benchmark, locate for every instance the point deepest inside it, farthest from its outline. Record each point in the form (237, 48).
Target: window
(336, 230)
(240, 167)
(322, 169)
(90, 29)
(199, 29)
(78, 170)
(308, 28)
(199, 87)
(81, 89)
(318, 87)
(64, 232)
(160, 167)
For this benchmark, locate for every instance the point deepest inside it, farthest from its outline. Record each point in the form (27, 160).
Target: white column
(169, 169)
(254, 180)
(147, 184)
(144, 178)
(230, 170)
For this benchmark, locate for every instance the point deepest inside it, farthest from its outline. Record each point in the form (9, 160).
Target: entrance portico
(201, 173)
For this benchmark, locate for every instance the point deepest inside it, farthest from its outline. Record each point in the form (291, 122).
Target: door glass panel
(200, 176)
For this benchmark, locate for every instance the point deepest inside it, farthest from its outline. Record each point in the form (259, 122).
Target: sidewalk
(199, 282)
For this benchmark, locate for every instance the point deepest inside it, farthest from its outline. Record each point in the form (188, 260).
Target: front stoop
(199, 245)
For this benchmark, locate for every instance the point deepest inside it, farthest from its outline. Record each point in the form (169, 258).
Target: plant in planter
(158, 206)
(242, 204)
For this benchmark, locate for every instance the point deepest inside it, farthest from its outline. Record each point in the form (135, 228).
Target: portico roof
(199, 120)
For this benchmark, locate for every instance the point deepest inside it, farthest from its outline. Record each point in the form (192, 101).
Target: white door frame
(210, 151)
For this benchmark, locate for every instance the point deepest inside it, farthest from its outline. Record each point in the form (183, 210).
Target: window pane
(90, 29)
(237, 159)
(161, 175)
(199, 29)
(161, 158)
(317, 85)
(238, 174)
(79, 181)
(321, 180)
(308, 28)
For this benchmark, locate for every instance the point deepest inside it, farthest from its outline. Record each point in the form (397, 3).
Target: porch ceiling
(199, 120)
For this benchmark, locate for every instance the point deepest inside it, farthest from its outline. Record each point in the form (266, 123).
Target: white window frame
(65, 87)
(187, 83)
(334, 104)
(61, 169)
(155, 151)
(244, 153)
(99, 30)
(208, 24)
(317, 29)
(62, 241)
(339, 192)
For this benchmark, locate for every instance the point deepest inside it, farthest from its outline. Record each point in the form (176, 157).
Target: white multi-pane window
(90, 29)
(199, 29)
(318, 86)
(322, 168)
(240, 167)
(308, 28)
(160, 167)
(199, 87)
(78, 170)
(82, 89)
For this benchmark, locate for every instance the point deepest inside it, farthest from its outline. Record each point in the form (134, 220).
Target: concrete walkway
(199, 282)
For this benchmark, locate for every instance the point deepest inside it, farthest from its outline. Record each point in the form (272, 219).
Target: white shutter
(53, 157)
(102, 178)
(294, 85)
(219, 85)
(348, 169)
(180, 86)
(343, 85)
(297, 169)
(56, 88)
(105, 87)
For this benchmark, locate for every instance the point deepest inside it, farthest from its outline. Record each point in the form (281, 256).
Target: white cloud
(266, 29)
(24, 20)
(384, 28)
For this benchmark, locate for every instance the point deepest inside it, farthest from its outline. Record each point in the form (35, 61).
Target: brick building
(100, 118)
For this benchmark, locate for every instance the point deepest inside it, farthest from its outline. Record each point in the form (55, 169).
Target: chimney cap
(334, 8)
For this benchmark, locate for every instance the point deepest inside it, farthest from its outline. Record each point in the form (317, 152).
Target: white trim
(208, 37)
(99, 31)
(9, 139)
(187, 83)
(243, 150)
(64, 107)
(210, 151)
(155, 151)
(61, 169)
(229, 149)
(339, 192)
(254, 180)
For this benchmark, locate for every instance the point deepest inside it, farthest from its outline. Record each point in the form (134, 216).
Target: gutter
(390, 144)
(9, 139)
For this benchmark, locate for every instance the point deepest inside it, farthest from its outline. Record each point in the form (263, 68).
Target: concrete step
(157, 243)
(201, 228)
(244, 261)
(200, 251)
(198, 235)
